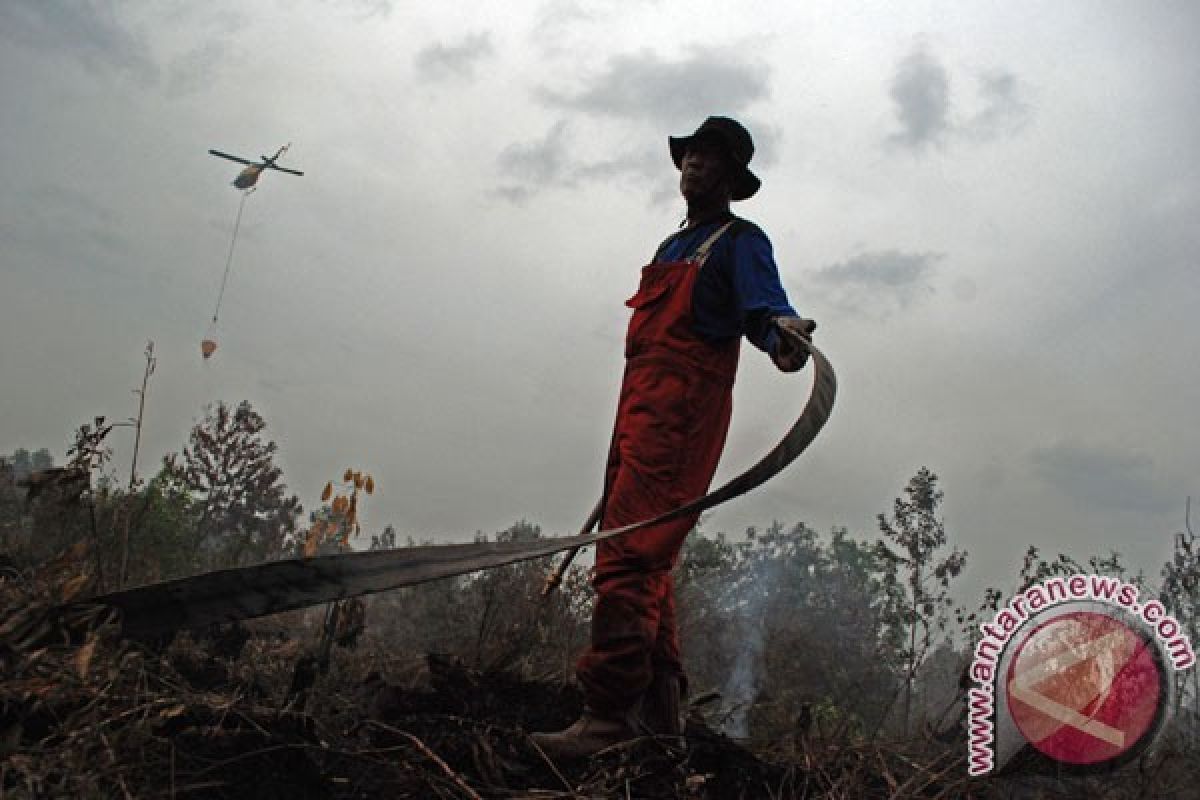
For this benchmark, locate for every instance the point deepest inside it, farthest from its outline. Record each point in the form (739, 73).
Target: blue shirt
(738, 291)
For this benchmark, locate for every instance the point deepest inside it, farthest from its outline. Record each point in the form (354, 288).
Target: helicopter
(245, 180)
(249, 176)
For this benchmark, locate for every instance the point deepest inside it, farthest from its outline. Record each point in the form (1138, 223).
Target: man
(709, 284)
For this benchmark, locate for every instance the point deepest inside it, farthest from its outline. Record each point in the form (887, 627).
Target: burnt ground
(243, 712)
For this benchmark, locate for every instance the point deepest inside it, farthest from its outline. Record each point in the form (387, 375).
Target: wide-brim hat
(737, 143)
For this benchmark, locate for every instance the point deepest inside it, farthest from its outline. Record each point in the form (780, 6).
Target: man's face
(704, 170)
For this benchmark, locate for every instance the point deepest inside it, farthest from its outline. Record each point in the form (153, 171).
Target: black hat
(737, 143)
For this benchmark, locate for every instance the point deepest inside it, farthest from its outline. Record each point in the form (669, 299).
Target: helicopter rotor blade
(238, 159)
(285, 169)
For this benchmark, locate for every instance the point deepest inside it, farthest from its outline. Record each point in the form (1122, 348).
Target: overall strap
(704, 248)
(701, 254)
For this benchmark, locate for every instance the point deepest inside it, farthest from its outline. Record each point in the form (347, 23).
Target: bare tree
(919, 570)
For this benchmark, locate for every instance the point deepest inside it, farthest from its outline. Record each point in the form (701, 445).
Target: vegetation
(829, 649)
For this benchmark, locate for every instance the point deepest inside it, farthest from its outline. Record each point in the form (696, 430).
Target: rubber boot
(588, 735)
(661, 711)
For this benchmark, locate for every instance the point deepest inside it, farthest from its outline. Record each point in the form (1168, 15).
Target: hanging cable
(229, 258)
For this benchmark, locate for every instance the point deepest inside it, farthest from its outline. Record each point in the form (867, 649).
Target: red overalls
(672, 417)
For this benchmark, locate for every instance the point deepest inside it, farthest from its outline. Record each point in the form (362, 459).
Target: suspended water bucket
(208, 347)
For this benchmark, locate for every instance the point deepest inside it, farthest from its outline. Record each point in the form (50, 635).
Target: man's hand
(790, 353)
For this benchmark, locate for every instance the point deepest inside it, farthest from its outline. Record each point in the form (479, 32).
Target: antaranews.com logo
(1078, 668)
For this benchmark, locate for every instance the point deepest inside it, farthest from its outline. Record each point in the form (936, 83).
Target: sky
(990, 208)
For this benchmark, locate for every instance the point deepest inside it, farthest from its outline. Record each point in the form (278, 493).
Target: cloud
(921, 96)
(440, 62)
(556, 20)
(634, 95)
(670, 93)
(920, 91)
(1101, 478)
(536, 165)
(645, 163)
(556, 16)
(89, 31)
(542, 162)
(1004, 109)
(876, 283)
(548, 163)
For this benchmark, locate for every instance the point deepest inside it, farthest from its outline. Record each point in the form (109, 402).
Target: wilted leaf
(370, 485)
(349, 476)
(310, 545)
(72, 588)
(173, 711)
(327, 493)
(358, 481)
(83, 657)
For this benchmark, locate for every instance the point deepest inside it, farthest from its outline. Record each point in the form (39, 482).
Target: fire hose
(242, 593)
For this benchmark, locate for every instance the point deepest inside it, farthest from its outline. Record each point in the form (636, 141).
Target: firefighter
(710, 283)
